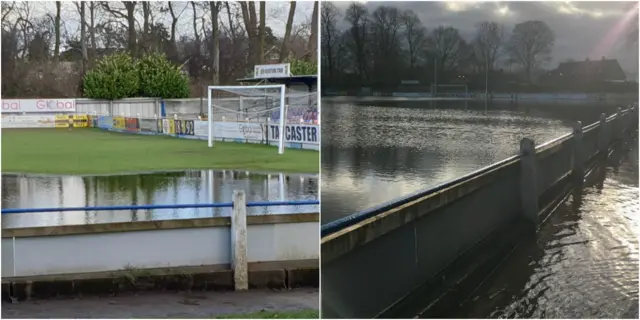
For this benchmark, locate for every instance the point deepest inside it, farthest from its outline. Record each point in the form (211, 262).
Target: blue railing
(164, 206)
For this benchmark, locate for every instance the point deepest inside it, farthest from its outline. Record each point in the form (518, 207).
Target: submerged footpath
(209, 304)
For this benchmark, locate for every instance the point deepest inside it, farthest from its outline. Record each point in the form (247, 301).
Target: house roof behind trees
(603, 70)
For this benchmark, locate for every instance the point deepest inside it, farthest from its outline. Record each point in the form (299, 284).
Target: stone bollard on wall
(528, 180)
(239, 241)
(578, 153)
(603, 134)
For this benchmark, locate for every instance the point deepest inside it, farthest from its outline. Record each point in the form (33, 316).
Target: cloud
(583, 29)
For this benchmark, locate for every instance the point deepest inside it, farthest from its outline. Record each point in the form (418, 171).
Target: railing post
(239, 241)
(603, 137)
(528, 180)
(578, 153)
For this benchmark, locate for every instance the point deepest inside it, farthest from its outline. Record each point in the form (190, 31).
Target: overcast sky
(582, 29)
(276, 14)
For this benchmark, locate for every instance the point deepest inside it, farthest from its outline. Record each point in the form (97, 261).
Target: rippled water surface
(201, 186)
(373, 152)
(584, 261)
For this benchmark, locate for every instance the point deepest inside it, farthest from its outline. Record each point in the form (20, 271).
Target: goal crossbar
(282, 108)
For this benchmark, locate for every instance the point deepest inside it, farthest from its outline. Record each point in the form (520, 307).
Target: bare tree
(487, 44)
(284, 49)
(57, 28)
(129, 17)
(312, 47)
(194, 16)
(446, 46)
(214, 7)
(261, 30)
(415, 36)
(530, 44)
(249, 17)
(92, 28)
(31, 40)
(385, 28)
(7, 8)
(144, 38)
(83, 37)
(356, 15)
(329, 38)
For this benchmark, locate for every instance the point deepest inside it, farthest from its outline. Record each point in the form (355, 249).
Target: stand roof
(309, 80)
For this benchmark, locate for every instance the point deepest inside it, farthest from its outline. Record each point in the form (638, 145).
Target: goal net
(259, 106)
(450, 91)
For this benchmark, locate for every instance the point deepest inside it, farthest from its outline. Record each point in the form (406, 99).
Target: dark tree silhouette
(330, 37)
(487, 44)
(415, 35)
(447, 47)
(530, 44)
(357, 16)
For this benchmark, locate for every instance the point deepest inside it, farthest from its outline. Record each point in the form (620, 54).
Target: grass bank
(95, 151)
(298, 314)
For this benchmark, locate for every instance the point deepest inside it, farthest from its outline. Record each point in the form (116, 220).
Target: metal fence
(163, 206)
(231, 109)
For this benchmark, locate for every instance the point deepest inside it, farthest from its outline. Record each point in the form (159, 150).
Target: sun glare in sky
(619, 31)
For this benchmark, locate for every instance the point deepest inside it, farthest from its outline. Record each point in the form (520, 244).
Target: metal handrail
(163, 206)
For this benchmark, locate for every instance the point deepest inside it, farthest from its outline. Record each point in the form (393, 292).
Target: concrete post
(239, 241)
(578, 153)
(528, 180)
(603, 134)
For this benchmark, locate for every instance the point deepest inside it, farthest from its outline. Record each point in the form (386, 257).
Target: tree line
(45, 56)
(385, 46)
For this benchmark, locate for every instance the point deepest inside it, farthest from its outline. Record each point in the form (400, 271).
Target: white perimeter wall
(31, 256)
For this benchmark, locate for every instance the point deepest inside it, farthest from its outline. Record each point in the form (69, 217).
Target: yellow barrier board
(62, 121)
(74, 121)
(119, 123)
(172, 126)
(80, 121)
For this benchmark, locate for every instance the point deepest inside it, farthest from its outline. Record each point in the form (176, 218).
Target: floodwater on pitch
(184, 187)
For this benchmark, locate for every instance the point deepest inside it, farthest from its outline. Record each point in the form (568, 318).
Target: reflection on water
(202, 186)
(584, 261)
(376, 153)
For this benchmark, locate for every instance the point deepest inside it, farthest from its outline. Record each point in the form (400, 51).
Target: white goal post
(450, 90)
(253, 91)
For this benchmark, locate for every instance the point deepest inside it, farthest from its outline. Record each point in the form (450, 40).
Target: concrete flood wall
(237, 245)
(373, 260)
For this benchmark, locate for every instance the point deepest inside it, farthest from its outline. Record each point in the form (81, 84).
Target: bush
(161, 78)
(119, 76)
(114, 77)
(303, 67)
